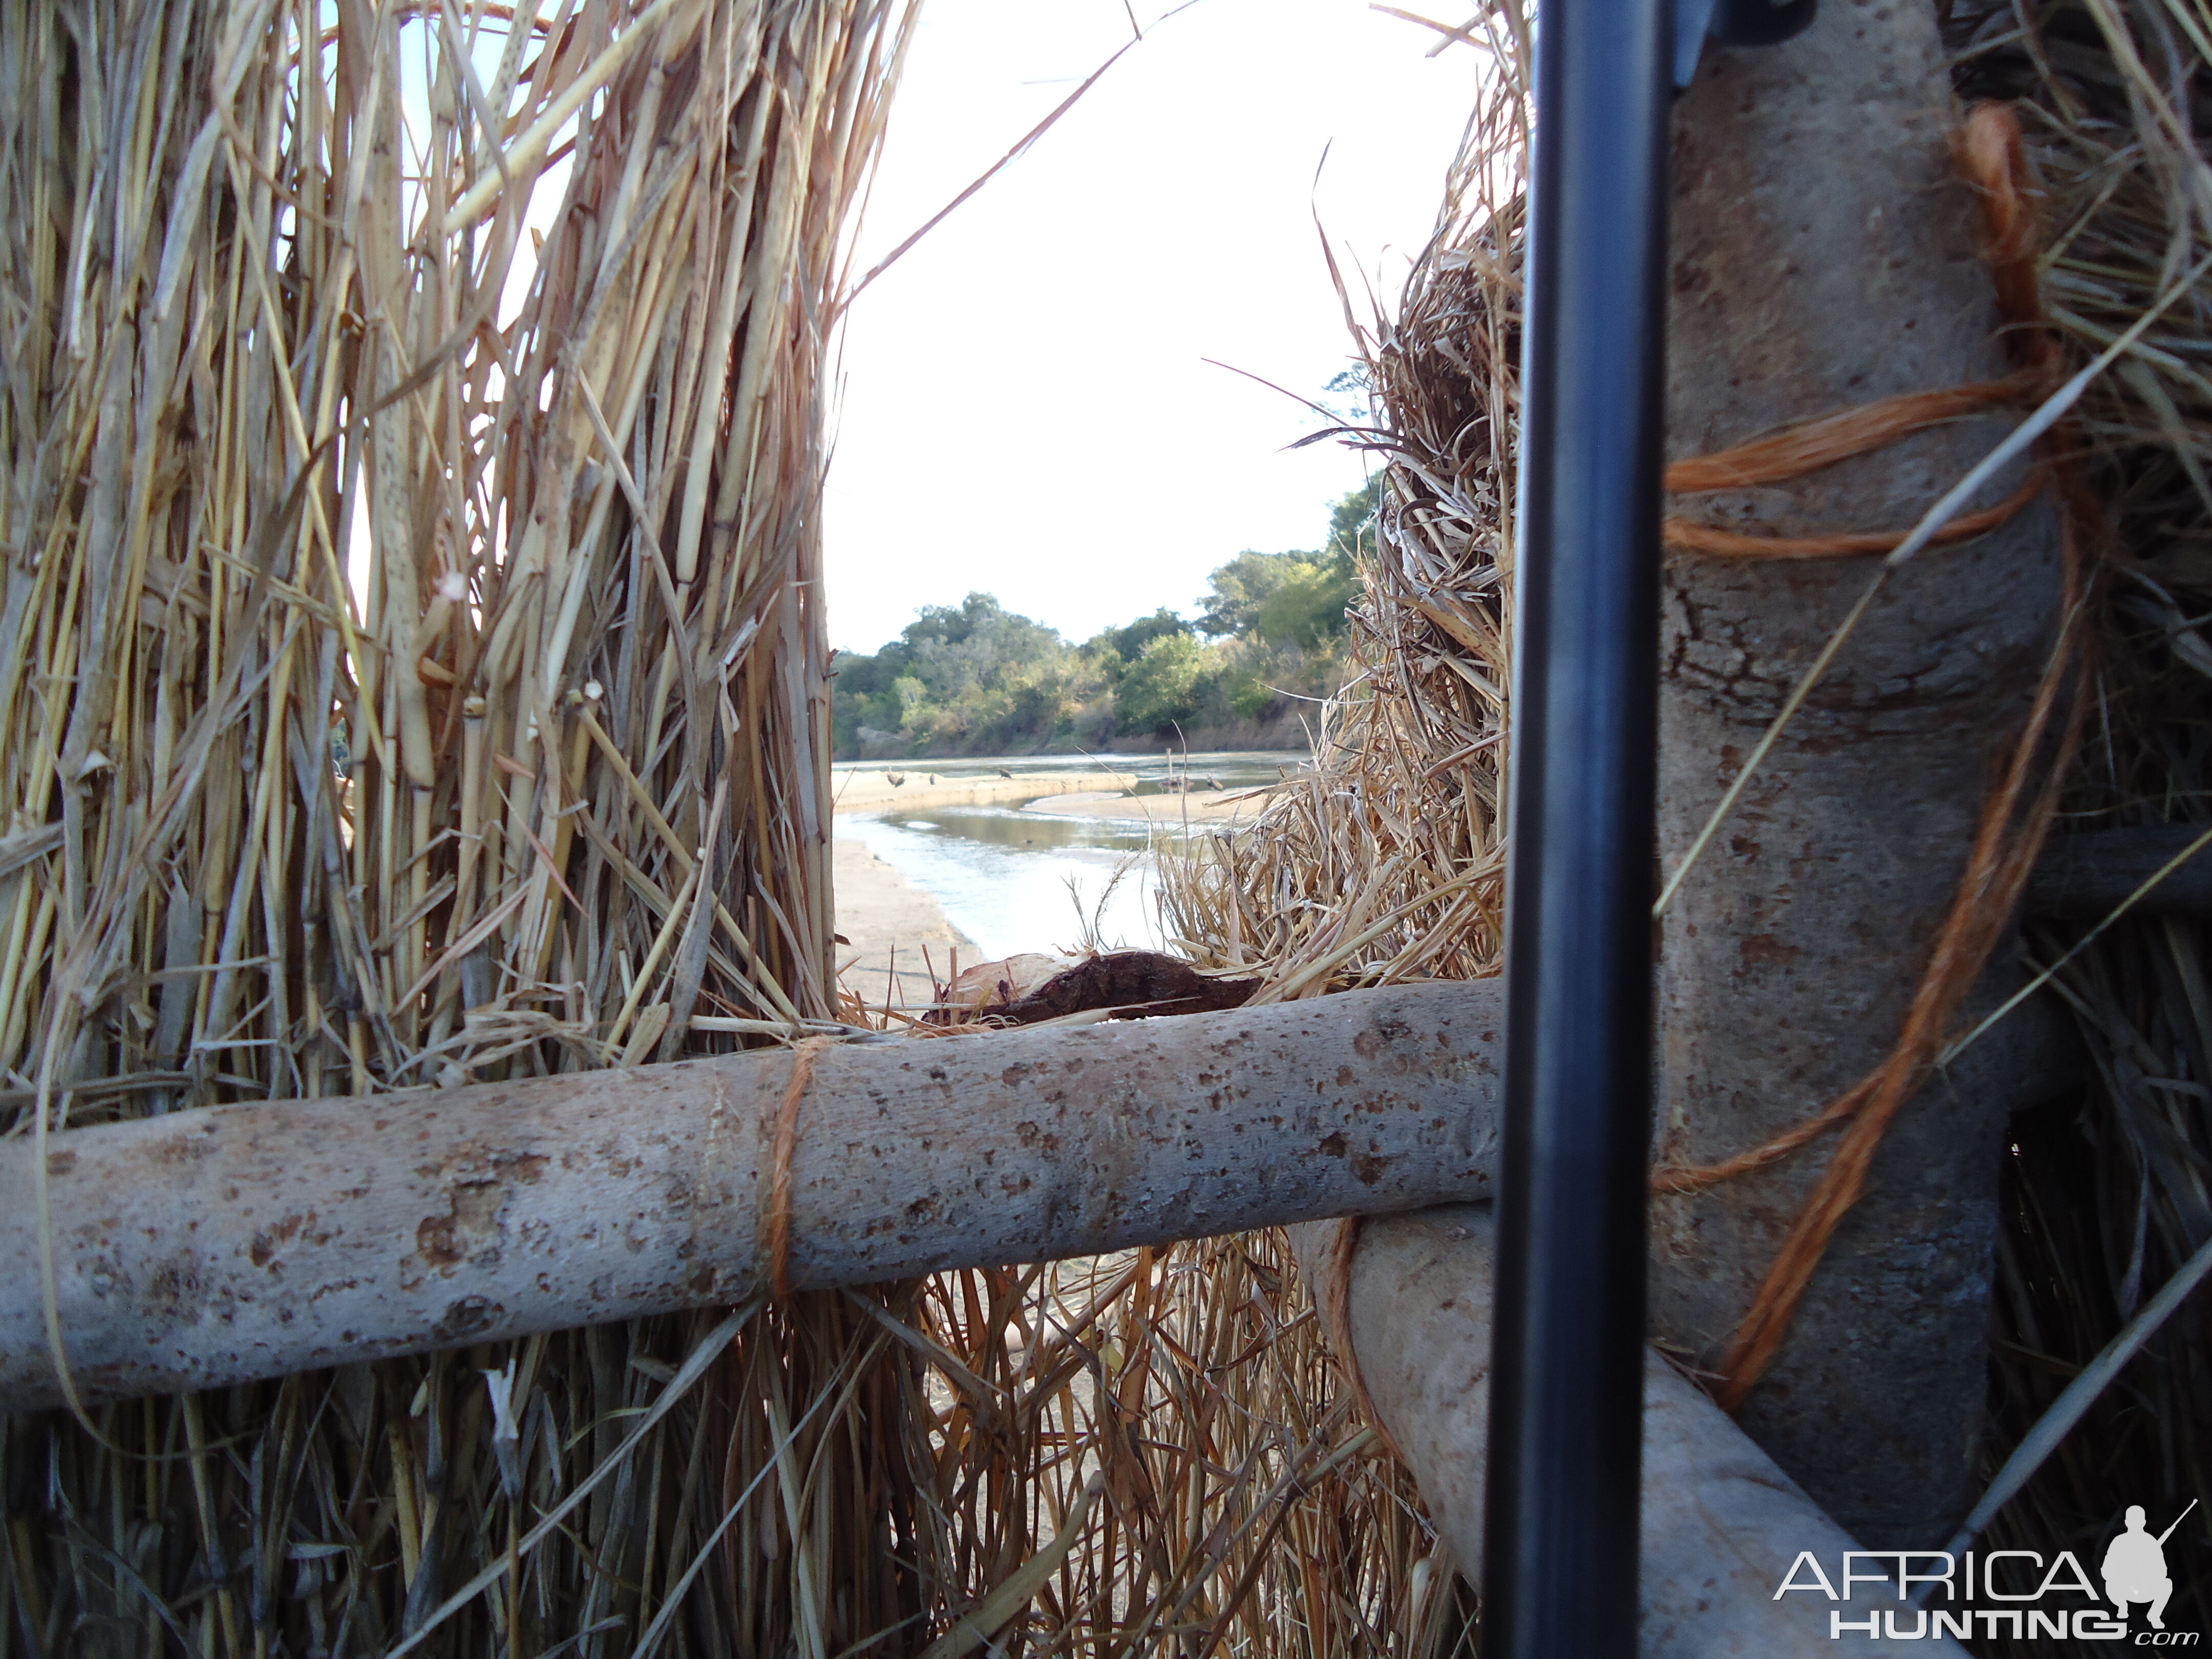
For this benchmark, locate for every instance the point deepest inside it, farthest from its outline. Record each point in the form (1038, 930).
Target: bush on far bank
(976, 678)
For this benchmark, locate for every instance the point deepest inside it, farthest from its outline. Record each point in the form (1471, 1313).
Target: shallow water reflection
(1014, 880)
(1011, 893)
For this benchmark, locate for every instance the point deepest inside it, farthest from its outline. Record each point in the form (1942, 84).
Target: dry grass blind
(412, 663)
(412, 669)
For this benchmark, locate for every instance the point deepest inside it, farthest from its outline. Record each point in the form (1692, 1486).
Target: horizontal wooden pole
(2086, 877)
(237, 1243)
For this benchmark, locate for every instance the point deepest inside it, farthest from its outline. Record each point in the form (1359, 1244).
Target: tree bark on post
(1823, 256)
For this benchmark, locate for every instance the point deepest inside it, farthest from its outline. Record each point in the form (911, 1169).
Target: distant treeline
(973, 678)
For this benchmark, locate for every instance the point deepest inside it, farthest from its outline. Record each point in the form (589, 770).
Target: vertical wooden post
(1823, 257)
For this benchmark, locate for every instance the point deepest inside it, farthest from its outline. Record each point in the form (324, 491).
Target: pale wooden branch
(235, 1243)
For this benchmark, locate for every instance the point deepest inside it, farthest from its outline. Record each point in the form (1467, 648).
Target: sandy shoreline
(889, 922)
(864, 792)
(1059, 794)
(1212, 806)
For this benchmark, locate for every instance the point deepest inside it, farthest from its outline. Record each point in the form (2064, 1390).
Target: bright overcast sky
(1026, 408)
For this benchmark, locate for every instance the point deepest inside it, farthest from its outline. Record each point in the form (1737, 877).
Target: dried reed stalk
(1243, 1509)
(414, 670)
(2106, 1195)
(1386, 861)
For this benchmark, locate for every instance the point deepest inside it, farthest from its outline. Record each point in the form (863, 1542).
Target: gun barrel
(2178, 1520)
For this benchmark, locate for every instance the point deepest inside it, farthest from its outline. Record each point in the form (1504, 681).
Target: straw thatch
(2106, 1194)
(1241, 1508)
(413, 670)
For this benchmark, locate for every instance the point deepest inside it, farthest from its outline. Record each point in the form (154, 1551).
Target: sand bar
(1211, 807)
(863, 792)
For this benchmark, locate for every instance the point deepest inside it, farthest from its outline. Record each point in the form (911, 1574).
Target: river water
(1012, 880)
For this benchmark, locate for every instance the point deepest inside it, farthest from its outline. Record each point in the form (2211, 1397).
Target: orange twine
(775, 1241)
(1990, 153)
(1798, 450)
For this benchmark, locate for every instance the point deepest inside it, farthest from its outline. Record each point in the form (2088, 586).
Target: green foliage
(1166, 686)
(1298, 597)
(1128, 643)
(1241, 588)
(971, 675)
(976, 678)
(1249, 697)
(1307, 608)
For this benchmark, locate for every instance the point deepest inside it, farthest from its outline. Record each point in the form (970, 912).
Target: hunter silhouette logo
(2135, 1566)
(2011, 1593)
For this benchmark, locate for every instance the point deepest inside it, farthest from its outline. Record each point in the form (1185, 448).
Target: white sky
(1025, 406)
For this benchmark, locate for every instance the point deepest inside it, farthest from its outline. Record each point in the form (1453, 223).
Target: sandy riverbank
(1208, 806)
(862, 792)
(885, 915)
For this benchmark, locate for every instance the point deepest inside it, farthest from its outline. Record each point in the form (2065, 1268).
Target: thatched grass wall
(413, 670)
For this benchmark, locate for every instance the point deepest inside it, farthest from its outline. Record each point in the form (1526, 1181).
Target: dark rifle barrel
(1559, 1579)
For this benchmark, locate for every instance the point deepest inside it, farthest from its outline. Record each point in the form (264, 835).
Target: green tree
(975, 678)
(1307, 608)
(1296, 598)
(974, 674)
(1168, 684)
(1241, 588)
(1128, 643)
